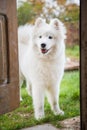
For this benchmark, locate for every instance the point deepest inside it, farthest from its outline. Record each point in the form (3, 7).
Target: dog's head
(47, 36)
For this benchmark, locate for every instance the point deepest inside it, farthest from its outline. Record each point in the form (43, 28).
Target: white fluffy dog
(41, 62)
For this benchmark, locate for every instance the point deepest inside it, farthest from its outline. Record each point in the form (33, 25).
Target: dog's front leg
(53, 98)
(20, 83)
(38, 100)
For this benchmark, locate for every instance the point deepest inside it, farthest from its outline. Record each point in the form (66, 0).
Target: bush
(28, 12)
(25, 13)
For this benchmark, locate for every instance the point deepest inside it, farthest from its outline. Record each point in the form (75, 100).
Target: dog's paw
(39, 116)
(59, 112)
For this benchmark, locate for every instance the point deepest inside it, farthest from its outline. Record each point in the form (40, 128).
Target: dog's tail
(24, 33)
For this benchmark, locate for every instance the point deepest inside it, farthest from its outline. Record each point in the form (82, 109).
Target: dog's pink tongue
(43, 50)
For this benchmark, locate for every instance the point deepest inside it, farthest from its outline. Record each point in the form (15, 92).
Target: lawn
(24, 115)
(73, 52)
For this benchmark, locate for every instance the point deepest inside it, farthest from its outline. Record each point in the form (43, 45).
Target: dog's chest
(45, 71)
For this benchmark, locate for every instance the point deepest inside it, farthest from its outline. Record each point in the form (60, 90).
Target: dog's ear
(58, 25)
(55, 23)
(39, 22)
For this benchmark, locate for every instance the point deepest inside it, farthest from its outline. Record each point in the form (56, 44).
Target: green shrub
(28, 12)
(25, 13)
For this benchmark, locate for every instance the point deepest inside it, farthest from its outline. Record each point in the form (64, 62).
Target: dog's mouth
(44, 51)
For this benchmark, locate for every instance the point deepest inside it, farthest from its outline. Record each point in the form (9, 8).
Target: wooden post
(9, 77)
(83, 71)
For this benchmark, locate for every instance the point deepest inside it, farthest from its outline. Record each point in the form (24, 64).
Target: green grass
(73, 52)
(24, 115)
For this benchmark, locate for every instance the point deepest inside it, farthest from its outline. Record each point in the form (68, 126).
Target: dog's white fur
(42, 71)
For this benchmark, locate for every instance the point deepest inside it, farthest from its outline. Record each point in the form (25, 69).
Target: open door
(9, 78)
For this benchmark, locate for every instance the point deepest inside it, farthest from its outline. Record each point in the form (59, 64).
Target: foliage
(27, 13)
(71, 14)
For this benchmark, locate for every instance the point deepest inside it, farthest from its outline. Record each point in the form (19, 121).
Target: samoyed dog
(41, 62)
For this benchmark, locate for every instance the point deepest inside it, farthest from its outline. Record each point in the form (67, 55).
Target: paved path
(42, 127)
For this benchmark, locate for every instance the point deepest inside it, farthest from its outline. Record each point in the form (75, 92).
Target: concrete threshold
(42, 127)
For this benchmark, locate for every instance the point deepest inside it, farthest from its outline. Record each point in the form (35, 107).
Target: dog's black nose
(43, 45)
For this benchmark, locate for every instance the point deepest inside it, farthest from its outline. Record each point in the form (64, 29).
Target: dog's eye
(50, 37)
(40, 36)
